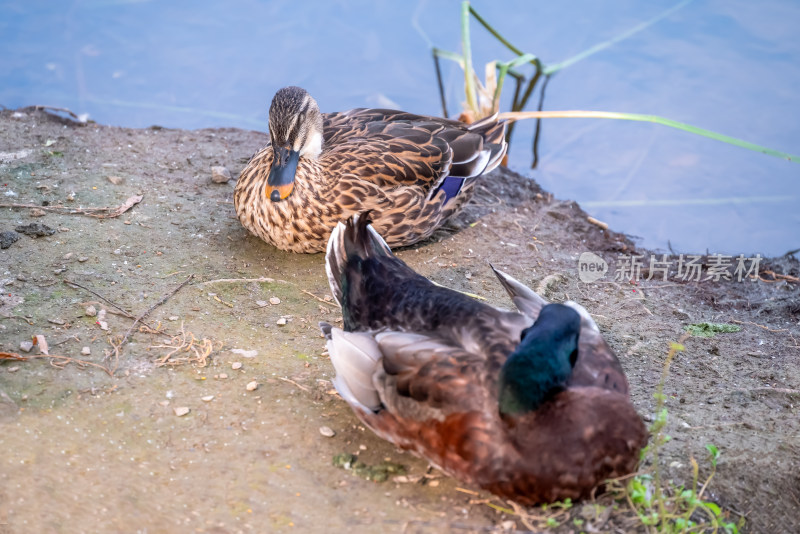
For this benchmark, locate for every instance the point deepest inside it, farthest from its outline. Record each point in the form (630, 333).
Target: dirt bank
(82, 450)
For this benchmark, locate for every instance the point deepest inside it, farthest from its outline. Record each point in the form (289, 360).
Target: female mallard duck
(413, 172)
(532, 406)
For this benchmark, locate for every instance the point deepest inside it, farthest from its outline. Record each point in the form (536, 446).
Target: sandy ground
(85, 451)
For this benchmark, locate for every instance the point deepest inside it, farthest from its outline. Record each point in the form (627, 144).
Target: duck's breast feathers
(574, 442)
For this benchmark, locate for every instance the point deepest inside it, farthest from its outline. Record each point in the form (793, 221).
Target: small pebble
(35, 230)
(182, 410)
(13, 369)
(207, 398)
(223, 376)
(36, 212)
(274, 301)
(86, 351)
(261, 303)
(101, 315)
(103, 325)
(173, 317)
(82, 258)
(164, 403)
(281, 321)
(327, 431)
(252, 386)
(59, 270)
(116, 180)
(67, 256)
(236, 365)
(433, 483)
(26, 346)
(220, 174)
(8, 238)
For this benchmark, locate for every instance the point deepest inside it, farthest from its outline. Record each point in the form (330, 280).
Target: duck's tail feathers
(354, 237)
(474, 153)
(525, 299)
(493, 132)
(479, 150)
(355, 357)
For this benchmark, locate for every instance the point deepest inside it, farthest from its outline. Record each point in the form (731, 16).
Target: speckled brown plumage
(387, 161)
(419, 365)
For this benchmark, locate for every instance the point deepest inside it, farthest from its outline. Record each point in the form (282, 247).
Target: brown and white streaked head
(295, 128)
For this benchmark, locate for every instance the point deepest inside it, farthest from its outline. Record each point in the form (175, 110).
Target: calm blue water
(729, 66)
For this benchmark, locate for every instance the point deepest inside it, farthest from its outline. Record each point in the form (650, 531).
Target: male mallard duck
(532, 406)
(413, 172)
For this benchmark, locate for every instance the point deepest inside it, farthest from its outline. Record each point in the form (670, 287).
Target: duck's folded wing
(393, 148)
(426, 377)
(421, 161)
(415, 376)
(597, 364)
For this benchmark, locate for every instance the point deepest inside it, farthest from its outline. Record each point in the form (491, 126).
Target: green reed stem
(576, 114)
(533, 60)
(466, 46)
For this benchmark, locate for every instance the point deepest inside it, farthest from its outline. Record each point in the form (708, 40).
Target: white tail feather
(333, 256)
(356, 357)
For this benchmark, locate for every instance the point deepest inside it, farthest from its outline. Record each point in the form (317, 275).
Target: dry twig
(55, 360)
(319, 299)
(98, 295)
(97, 213)
(235, 280)
(161, 301)
(293, 382)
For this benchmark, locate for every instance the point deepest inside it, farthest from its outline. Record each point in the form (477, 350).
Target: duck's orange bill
(279, 192)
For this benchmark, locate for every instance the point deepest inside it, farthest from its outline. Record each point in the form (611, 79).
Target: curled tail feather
(354, 237)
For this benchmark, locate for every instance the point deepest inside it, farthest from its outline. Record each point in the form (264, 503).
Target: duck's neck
(540, 365)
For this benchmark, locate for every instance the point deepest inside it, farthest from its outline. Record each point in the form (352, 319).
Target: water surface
(726, 66)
